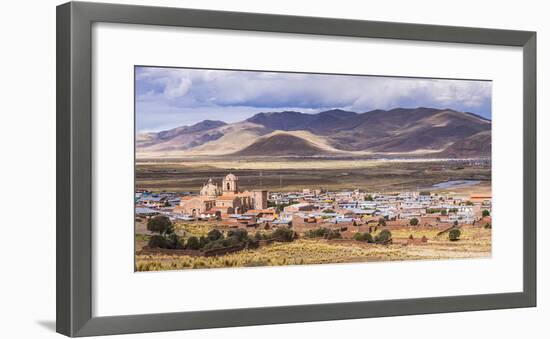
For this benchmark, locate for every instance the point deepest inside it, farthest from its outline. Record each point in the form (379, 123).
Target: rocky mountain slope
(379, 133)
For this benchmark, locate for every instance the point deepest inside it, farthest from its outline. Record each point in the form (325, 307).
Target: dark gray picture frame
(74, 168)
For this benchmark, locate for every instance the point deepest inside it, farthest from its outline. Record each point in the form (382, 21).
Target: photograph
(248, 168)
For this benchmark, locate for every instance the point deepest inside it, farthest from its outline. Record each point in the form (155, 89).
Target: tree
(443, 212)
(192, 243)
(369, 198)
(485, 213)
(487, 226)
(413, 221)
(455, 223)
(160, 224)
(328, 210)
(454, 234)
(382, 221)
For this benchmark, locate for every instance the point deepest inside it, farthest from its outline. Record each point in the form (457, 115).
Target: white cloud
(190, 89)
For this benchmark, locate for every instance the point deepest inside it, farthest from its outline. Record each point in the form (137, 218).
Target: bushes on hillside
(413, 221)
(215, 239)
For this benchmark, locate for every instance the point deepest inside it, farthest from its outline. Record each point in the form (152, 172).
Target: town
(224, 206)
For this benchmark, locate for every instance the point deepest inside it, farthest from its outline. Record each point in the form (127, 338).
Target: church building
(226, 199)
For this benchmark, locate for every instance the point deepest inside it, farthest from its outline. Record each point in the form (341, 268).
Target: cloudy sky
(171, 97)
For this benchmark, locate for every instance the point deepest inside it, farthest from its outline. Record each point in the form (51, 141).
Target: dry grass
(474, 243)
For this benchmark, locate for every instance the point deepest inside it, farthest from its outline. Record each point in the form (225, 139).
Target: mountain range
(400, 132)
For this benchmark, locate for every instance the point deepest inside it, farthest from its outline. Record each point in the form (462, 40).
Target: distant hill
(179, 138)
(473, 146)
(393, 133)
(281, 145)
(295, 121)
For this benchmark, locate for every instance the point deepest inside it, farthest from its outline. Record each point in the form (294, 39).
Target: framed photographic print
(274, 169)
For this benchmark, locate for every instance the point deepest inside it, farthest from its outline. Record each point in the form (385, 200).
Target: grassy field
(474, 243)
(295, 175)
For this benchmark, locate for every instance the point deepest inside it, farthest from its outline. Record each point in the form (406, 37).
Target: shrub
(232, 241)
(455, 223)
(363, 237)
(333, 234)
(258, 236)
(192, 243)
(469, 203)
(160, 224)
(174, 242)
(203, 241)
(285, 234)
(214, 235)
(383, 237)
(488, 226)
(317, 233)
(214, 245)
(454, 234)
(411, 236)
(328, 210)
(240, 234)
(157, 241)
(413, 222)
(252, 243)
(382, 221)
(485, 213)
(369, 198)
(443, 212)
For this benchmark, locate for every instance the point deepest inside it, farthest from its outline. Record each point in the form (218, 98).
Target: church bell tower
(230, 184)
